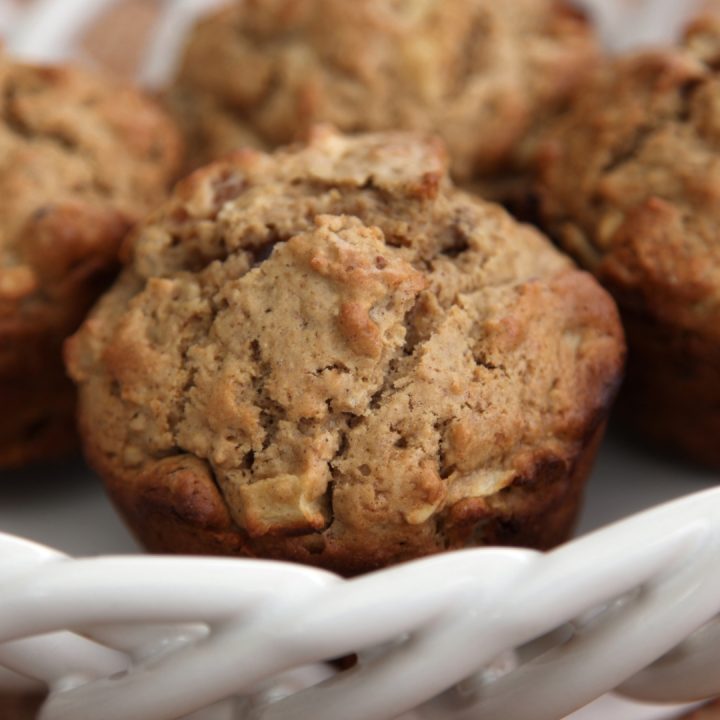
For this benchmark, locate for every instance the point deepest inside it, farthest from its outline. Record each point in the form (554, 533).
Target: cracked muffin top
(479, 72)
(357, 354)
(630, 180)
(81, 158)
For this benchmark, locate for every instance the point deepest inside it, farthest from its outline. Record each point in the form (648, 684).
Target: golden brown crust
(479, 72)
(81, 158)
(333, 356)
(630, 183)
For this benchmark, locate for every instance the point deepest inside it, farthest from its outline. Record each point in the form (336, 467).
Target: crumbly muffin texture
(630, 181)
(81, 158)
(479, 72)
(331, 355)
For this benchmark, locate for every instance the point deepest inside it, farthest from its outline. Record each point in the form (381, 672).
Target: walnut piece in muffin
(81, 159)
(331, 355)
(480, 73)
(630, 183)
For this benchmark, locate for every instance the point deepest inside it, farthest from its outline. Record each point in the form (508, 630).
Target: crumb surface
(330, 354)
(478, 72)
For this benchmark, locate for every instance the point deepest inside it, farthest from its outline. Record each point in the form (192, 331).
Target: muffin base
(176, 507)
(672, 392)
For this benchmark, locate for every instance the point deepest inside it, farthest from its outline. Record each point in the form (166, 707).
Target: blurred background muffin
(330, 355)
(478, 72)
(630, 182)
(82, 157)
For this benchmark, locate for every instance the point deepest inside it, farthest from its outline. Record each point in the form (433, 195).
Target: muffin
(480, 73)
(81, 159)
(630, 185)
(330, 355)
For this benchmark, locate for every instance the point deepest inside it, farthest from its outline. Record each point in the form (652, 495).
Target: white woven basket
(491, 633)
(488, 634)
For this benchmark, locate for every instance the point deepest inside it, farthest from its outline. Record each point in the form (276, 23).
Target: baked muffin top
(348, 345)
(479, 72)
(81, 158)
(630, 179)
